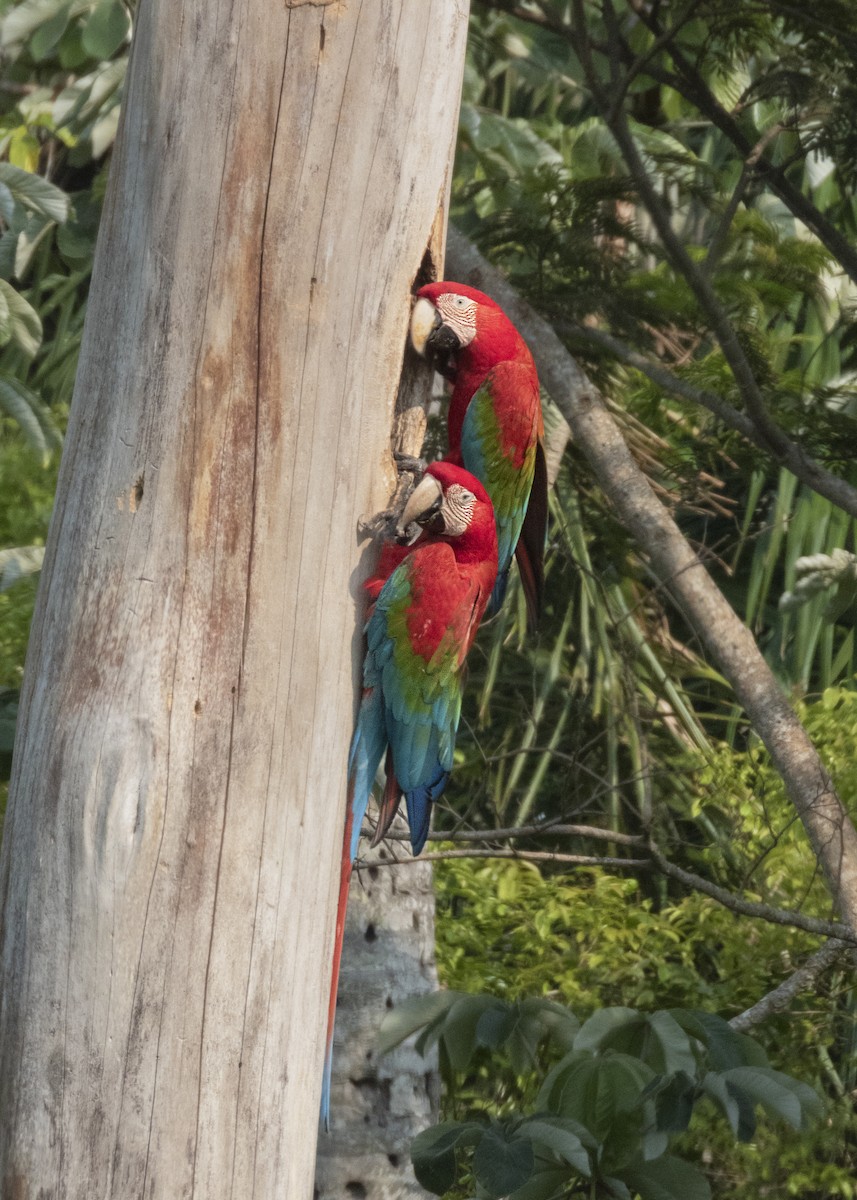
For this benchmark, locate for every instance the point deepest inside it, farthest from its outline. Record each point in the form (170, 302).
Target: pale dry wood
(170, 862)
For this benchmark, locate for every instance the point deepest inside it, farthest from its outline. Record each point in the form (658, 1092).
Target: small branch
(773, 437)
(730, 644)
(803, 980)
(721, 233)
(574, 860)
(751, 908)
(665, 379)
(501, 835)
(793, 458)
(662, 40)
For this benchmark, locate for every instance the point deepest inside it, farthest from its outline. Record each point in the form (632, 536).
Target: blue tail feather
(419, 802)
(498, 595)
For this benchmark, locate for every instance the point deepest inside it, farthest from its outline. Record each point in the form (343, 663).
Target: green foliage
(58, 114)
(602, 1118)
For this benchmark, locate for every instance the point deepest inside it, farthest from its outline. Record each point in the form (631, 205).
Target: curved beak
(424, 320)
(433, 340)
(424, 503)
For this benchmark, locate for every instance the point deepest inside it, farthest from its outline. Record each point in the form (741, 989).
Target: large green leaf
(47, 35)
(655, 1038)
(433, 1153)
(460, 1025)
(777, 1093)
(34, 192)
(597, 1091)
(502, 1163)
(413, 1014)
(673, 1099)
(737, 1107)
(565, 1138)
(22, 320)
(24, 19)
(557, 1021)
(595, 1032)
(725, 1047)
(106, 29)
(666, 1179)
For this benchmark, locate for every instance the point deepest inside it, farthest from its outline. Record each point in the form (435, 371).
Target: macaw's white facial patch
(457, 510)
(459, 313)
(422, 323)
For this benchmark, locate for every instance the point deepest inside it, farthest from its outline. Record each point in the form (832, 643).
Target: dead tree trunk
(380, 1104)
(169, 867)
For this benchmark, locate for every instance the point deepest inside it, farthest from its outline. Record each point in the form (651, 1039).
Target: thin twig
(803, 980)
(750, 908)
(574, 860)
(502, 835)
(721, 233)
(839, 491)
(665, 378)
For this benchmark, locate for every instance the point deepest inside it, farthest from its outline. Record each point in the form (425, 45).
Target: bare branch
(750, 908)
(665, 379)
(573, 860)
(803, 980)
(730, 644)
(502, 835)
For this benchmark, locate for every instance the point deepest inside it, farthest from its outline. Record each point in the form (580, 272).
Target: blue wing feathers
(367, 747)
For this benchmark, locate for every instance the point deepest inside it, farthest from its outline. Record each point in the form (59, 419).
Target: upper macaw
(427, 601)
(495, 419)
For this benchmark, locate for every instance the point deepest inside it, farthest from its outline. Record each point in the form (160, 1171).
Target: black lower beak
(431, 519)
(442, 345)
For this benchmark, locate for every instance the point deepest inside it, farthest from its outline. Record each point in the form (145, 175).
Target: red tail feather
(389, 802)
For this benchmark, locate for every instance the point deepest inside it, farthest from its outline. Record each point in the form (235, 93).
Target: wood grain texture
(170, 859)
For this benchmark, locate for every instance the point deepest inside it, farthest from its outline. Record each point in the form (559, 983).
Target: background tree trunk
(379, 1105)
(169, 866)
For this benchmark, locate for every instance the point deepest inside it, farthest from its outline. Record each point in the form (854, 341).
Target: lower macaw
(427, 601)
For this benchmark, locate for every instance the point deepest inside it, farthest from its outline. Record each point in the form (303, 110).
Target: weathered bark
(170, 862)
(729, 642)
(379, 1105)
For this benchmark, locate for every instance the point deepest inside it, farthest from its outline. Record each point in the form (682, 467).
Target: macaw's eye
(459, 301)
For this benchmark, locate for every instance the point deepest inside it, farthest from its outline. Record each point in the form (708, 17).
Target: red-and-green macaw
(495, 419)
(427, 601)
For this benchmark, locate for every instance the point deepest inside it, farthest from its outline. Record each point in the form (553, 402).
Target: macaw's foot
(407, 464)
(382, 524)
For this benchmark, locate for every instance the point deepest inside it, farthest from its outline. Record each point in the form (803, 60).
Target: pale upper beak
(424, 501)
(424, 320)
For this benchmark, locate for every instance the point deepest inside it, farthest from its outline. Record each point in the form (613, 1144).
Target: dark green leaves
(461, 1025)
(433, 1153)
(502, 1163)
(667, 1179)
(626, 1083)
